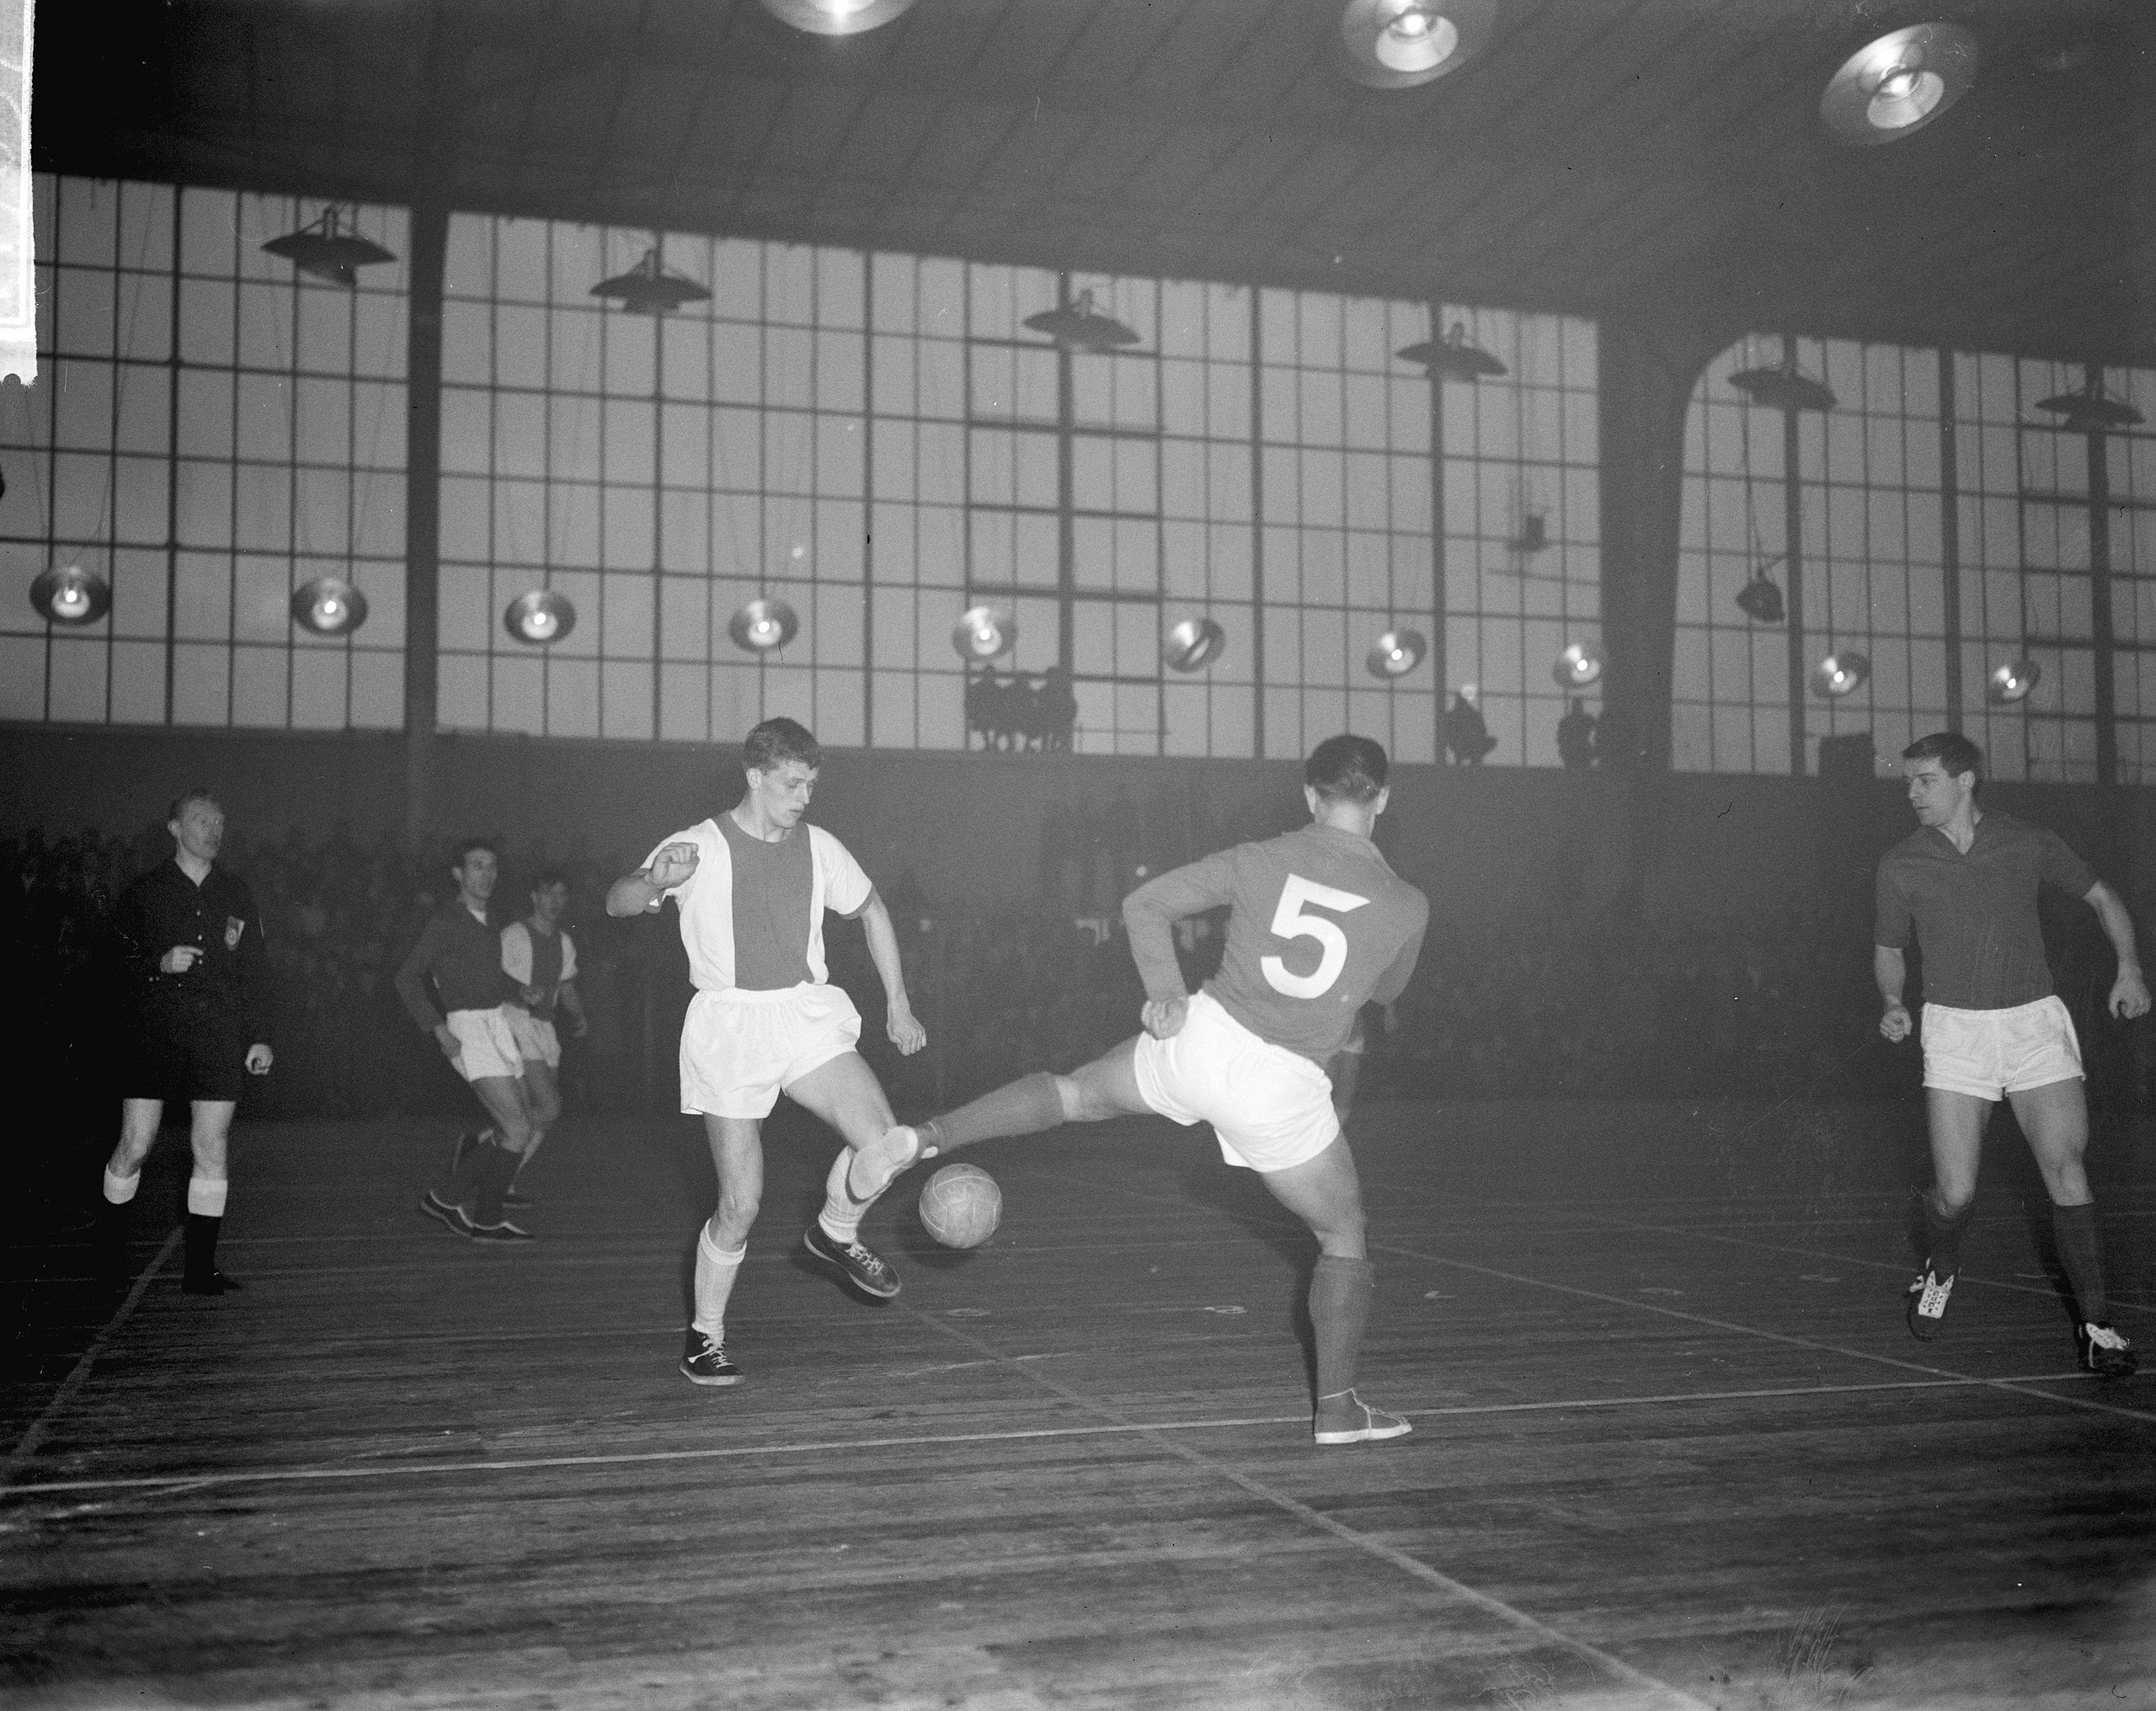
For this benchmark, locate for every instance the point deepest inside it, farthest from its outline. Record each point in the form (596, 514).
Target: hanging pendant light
(984, 632)
(1395, 653)
(540, 617)
(647, 288)
(1579, 667)
(1839, 674)
(1455, 357)
(2013, 682)
(324, 250)
(1894, 86)
(1782, 387)
(836, 17)
(2091, 410)
(328, 606)
(1760, 600)
(1081, 327)
(1402, 44)
(763, 625)
(1193, 644)
(69, 594)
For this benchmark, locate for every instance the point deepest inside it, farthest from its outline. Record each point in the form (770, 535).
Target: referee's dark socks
(1943, 1236)
(206, 1218)
(497, 1164)
(464, 1180)
(2081, 1252)
(1340, 1308)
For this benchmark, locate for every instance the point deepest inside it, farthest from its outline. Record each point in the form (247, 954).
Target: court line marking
(2138, 1415)
(1411, 1565)
(170, 1484)
(79, 1375)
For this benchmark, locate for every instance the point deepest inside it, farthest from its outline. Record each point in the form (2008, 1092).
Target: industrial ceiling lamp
(836, 17)
(69, 594)
(324, 250)
(540, 617)
(1080, 326)
(1579, 667)
(1193, 644)
(1782, 387)
(984, 632)
(1395, 653)
(1839, 674)
(2012, 682)
(2091, 410)
(647, 288)
(1760, 600)
(1894, 87)
(1400, 44)
(328, 606)
(763, 625)
(1455, 357)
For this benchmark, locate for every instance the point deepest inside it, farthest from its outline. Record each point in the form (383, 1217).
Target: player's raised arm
(633, 894)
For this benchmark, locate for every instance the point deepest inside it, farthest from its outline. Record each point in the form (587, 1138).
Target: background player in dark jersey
(453, 985)
(198, 1021)
(1963, 885)
(1319, 925)
(540, 960)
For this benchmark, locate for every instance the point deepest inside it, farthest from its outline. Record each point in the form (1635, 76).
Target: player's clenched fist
(1163, 1017)
(671, 865)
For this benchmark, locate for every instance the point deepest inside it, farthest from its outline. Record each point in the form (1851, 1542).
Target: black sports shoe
(503, 1232)
(858, 1265)
(215, 1282)
(1928, 1297)
(450, 1215)
(704, 1362)
(2104, 1352)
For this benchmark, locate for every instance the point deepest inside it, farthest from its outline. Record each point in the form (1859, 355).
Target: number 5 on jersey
(1290, 922)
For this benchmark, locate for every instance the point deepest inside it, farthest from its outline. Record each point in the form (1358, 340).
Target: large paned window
(211, 430)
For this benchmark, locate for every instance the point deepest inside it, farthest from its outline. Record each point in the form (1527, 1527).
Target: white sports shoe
(883, 1161)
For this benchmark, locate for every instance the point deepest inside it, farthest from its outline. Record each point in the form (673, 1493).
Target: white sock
(205, 1198)
(841, 1218)
(119, 1190)
(715, 1270)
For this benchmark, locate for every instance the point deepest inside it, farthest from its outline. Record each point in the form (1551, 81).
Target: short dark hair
(201, 793)
(777, 740)
(1953, 751)
(1346, 769)
(548, 875)
(465, 846)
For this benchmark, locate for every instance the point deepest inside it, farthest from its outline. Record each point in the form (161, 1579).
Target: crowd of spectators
(1530, 1007)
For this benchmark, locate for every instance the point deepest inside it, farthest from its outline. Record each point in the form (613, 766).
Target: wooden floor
(1674, 1445)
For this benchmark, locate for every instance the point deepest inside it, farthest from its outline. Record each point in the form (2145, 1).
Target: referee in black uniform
(196, 1022)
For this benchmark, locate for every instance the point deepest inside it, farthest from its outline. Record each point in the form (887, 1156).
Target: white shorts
(1270, 1108)
(1989, 1052)
(486, 1044)
(741, 1050)
(537, 1041)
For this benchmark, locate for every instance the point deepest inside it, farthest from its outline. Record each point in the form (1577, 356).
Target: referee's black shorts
(184, 1053)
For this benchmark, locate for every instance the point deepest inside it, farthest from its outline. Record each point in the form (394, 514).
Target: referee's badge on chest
(234, 926)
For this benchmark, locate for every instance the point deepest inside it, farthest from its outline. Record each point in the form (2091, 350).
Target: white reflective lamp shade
(1399, 43)
(328, 606)
(1579, 667)
(69, 594)
(2012, 681)
(836, 17)
(763, 626)
(1396, 653)
(1193, 644)
(1839, 674)
(985, 633)
(539, 617)
(1894, 86)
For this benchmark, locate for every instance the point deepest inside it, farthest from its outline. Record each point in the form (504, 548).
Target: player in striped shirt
(1319, 925)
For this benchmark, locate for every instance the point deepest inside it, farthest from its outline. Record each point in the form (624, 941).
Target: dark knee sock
(201, 1247)
(497, 1164)
(464, 1184)
(1024, 1107)
(1943, 1235)
(2081, 1252)
(1340, 1307)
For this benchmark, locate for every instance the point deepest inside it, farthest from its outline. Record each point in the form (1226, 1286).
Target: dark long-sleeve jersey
(456, 965)
(1318, 926)
(230, 980)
